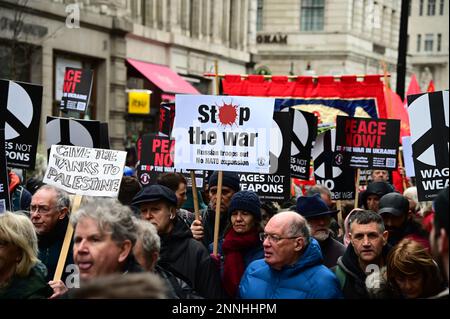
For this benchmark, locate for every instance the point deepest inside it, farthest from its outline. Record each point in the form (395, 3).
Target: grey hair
(62, 197)
(299, 227)
(318, 189)
(148, 234)
(112, 217)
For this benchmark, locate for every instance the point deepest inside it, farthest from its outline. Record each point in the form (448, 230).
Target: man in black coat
(180, 253)
(49, 211)
(319, 216)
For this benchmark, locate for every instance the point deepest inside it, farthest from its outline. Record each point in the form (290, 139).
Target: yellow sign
(139, 101)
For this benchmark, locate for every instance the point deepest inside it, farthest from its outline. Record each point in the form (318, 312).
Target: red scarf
(234, 248)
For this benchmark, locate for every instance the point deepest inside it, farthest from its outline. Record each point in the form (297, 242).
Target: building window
(421, 8)
(439, 41)
(441, 7)
(312, 15)
(431, 9)
(428, 42)
(259, 15)
(419, 41)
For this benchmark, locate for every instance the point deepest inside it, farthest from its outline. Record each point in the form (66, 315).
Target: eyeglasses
(273, 238)
(41, 209)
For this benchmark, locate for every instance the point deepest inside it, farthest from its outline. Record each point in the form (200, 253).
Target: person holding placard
(179, 253)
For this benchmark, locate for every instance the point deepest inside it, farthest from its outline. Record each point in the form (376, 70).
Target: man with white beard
(319, 216)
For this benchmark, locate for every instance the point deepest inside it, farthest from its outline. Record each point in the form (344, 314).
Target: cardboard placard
(367, 143)
(274, 186)
(408, 156)
(223, 133)
(20, 109)
(429, 122)
(166, 118)
(85, 171)
(76, 90)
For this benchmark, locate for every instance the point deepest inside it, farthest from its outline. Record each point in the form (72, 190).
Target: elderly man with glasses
(292, 266)
(49, 213)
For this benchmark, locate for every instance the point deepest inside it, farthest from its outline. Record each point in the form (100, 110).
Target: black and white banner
(4, 190)
(304, 132)
(20, 108)
(274, 186)
(339, 180)
(63, 131)
(428, 118)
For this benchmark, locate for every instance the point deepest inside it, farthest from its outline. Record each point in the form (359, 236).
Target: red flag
(414, 87)
(431, 86)
(397, 110)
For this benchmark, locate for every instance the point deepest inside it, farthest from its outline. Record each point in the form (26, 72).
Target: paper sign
(228, 133)
(85, 171)
(76, 90)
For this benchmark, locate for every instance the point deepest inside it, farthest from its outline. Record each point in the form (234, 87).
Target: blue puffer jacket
(306, 279)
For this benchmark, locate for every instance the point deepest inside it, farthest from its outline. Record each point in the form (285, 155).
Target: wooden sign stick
(217, 220)
(195, 195)
(358, 173)
(67, 239)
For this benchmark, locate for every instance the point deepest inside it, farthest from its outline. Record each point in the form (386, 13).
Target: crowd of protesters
(148, 243)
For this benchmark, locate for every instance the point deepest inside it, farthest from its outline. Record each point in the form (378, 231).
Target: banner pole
(67, 240)
(195, 195)
(402, 171)
(220, 176)
(293, 76)
(358, 173)
(217, 220)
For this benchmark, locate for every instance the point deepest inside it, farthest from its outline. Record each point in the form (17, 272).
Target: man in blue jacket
(292, 266)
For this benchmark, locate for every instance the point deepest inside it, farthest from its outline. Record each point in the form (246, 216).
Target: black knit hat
(229, 179)
(441, 210)
(247, 201)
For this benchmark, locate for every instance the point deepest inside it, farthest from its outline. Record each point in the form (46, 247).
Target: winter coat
(20, 196)
(33, 286)
(180, 253)
(50, 247)
(306, 279)
(331, 251)
(208, 220)
(177, 287)
(351, 277)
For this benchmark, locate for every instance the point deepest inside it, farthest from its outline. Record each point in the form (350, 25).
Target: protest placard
(304, 132)
(367, 143)
(408, 156)
(339, 180)
(76, 90)
(75, 132)
(166, 118)
(223, 133)
(4, 189)
(20, 108)
(85, 171)
(428, 118)
(274, 186)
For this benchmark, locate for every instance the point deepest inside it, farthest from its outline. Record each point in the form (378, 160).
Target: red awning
(168, 97)
(163, 77)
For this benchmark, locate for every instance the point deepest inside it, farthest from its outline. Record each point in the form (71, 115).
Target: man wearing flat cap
(204, 230)
(180, 253)
(318, 216)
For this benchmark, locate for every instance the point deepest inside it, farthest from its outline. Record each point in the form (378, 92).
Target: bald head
(287, 234)
(289, 222)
